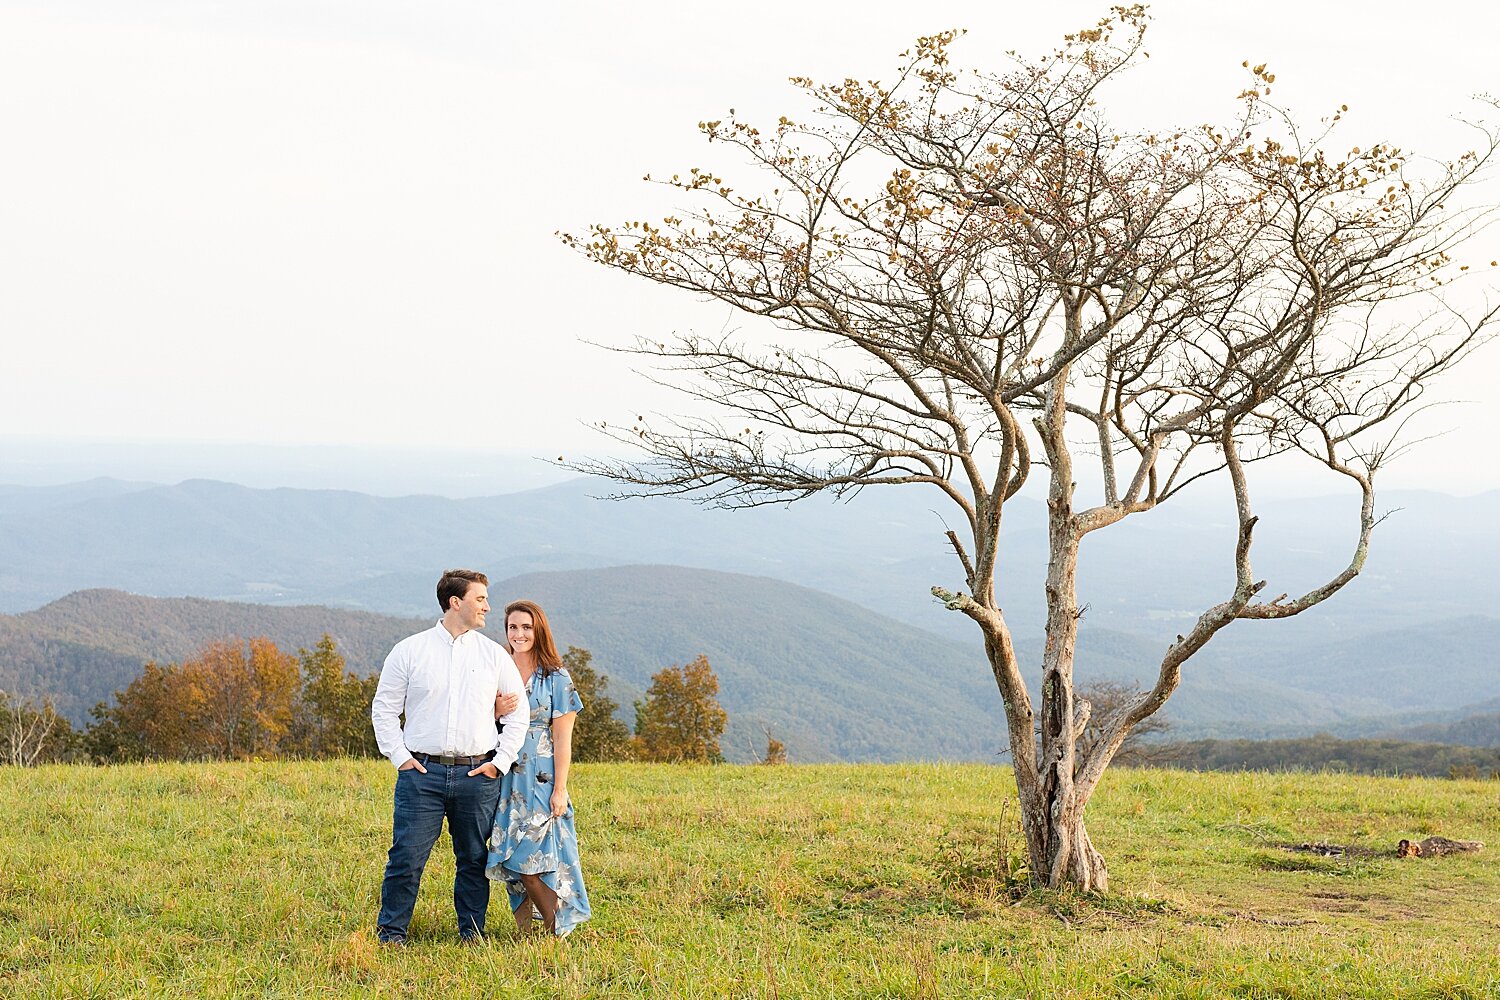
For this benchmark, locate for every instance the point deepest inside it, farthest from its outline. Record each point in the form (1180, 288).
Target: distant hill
(1324, 753)
(832, 680)
(82, 648)
(1439, 665)
(1469, 731)
(1475, 726)
(884, 549)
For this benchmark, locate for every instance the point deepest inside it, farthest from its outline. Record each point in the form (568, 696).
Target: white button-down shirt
(447, 688)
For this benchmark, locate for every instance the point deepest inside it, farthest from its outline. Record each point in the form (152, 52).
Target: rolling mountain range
(1407, 644)
(832, 680)
(1430, 561)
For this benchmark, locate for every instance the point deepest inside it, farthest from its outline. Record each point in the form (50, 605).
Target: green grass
(249, 880)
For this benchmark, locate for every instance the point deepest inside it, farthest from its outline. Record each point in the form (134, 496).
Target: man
(449, 758)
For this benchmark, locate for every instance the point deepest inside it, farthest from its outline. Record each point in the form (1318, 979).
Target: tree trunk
(1084, 868)
(1052, 813)
(1057, 841)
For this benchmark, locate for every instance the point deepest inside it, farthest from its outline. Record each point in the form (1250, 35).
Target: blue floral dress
(527, 840)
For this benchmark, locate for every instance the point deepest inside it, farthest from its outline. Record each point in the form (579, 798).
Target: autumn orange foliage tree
(971, 281)
(244, 697)
(680, 719)
(238, 700)
(231, 701)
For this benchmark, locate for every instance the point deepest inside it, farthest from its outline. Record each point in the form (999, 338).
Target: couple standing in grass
(487, 744)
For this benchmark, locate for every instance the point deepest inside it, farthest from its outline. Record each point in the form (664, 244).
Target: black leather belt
(453, 760)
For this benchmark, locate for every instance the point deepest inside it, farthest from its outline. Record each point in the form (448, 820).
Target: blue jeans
(422, 801)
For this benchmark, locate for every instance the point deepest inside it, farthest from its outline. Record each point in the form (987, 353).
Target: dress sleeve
(564, 695)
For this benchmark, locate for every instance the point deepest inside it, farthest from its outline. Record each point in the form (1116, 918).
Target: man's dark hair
(455, 583)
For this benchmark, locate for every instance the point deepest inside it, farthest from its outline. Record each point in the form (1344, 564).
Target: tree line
(237, 700)
(250, 700)
(1328, 753)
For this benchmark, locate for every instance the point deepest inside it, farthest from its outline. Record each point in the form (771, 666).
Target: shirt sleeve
(508, 742)
(565, 697)
(386, 708)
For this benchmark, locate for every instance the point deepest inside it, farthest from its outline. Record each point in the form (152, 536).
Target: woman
(534, 848)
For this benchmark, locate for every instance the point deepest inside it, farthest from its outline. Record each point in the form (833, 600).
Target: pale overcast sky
(317, 222)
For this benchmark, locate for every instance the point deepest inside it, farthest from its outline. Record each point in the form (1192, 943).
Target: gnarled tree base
(1083, 869)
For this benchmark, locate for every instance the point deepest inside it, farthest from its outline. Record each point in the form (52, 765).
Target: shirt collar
(447, 636)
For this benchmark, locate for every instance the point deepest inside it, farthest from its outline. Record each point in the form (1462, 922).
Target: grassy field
(249, 880)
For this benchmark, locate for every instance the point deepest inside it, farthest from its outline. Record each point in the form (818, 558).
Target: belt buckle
(449, 760)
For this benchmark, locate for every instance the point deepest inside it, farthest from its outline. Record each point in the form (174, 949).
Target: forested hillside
(1324, 753)
(81, 649)
(832, 680)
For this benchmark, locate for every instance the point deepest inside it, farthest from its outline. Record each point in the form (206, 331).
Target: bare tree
(1106, 700)
(30, 733)
(975, 277)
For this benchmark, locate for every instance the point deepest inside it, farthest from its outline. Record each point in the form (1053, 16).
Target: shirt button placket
(452, 740)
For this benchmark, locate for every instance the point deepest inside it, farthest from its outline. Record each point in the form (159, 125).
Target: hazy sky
(311, 222)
